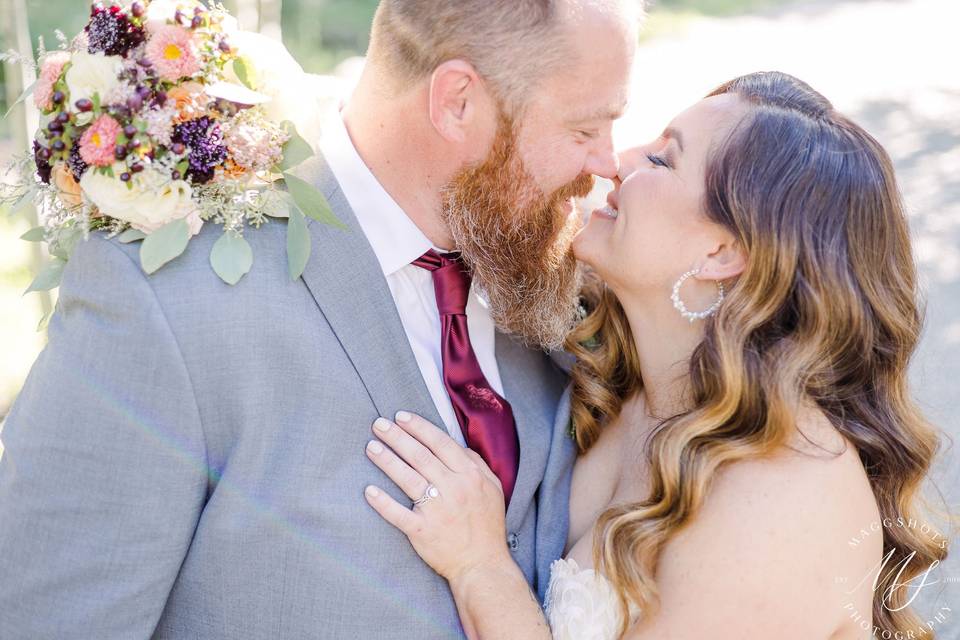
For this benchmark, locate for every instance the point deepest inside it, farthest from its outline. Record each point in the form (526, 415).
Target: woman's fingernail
(373, 492)
(403, 416)
(381, 424)
(374, 447)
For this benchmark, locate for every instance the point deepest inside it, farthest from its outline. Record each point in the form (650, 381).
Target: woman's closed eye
(657, 160)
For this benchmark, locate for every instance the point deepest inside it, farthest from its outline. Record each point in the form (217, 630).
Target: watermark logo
(892, 574)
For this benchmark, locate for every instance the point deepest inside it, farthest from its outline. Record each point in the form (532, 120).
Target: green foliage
(713, 7)
(231, 257)
(164, 244)
(298, 243)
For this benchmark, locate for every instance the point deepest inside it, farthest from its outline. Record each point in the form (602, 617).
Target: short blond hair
(511, 43)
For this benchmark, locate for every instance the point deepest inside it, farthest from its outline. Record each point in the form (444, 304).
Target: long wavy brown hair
(826, 311)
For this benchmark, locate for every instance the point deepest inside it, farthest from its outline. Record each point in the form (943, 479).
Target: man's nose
(603, 162)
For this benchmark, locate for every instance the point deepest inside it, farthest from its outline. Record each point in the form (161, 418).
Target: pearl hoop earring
(682, 308)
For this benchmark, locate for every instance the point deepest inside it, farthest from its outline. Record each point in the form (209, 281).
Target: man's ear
(727, 260)
(455, 94)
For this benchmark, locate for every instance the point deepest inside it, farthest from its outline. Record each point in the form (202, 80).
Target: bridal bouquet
(157, 119)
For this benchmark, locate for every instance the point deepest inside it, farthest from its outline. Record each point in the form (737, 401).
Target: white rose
(91, 73)
(278, 75)
(152, 202)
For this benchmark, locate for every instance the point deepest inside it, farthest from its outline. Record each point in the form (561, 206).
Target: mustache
(579, 188)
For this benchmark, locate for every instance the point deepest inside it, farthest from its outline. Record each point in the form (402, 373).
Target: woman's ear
(455, 94)
(728, 260)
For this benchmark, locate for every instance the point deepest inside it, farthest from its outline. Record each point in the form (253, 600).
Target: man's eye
(589, 135)
(657, 160)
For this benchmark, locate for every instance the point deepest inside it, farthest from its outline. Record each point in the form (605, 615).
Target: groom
(186, 458)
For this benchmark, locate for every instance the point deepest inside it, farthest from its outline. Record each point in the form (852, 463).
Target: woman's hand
(463, 526)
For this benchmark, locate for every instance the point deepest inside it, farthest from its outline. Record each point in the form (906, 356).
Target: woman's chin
(589, 243)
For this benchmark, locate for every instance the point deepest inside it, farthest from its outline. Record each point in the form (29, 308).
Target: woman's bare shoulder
(768, 546)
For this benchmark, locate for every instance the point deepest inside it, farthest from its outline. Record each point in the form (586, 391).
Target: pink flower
(50, 71)
(173, 53)
(99, 142)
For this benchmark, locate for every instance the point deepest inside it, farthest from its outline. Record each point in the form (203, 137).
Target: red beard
(518, 242)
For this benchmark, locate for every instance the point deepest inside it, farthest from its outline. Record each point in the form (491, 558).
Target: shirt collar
(395, 239)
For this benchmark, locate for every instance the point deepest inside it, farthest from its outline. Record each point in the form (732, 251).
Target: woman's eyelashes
(658, 161)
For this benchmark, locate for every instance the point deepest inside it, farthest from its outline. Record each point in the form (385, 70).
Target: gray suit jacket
(186, 459)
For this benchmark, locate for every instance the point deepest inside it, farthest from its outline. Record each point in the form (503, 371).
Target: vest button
(513, 541)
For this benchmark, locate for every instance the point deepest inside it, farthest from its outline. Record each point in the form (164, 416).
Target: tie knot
(451, 280)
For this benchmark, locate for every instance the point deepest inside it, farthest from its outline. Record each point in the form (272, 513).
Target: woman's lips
(607, 212)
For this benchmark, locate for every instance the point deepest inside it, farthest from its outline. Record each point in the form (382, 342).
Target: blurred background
(890, 64)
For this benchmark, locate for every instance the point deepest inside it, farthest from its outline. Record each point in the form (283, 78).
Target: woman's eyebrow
(671, 133)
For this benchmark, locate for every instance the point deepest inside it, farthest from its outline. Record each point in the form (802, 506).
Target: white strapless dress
(581, 604)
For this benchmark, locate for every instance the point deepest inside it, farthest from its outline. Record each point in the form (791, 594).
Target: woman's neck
(664, 342)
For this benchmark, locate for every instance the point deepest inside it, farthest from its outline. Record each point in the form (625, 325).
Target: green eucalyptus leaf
(164, 244)
(298, 243)
(63, 241)
(295, 150)
(241, 67)
(280, 204)
(44, 321)
(231, 257)
(34, 235)
(131, 235)
(311, 202)
(23, 96)
(49, 277)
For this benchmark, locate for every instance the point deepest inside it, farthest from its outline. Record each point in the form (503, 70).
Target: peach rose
(189, 99)
(69, 188)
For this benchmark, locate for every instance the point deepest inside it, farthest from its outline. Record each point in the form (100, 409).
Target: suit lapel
(347, 282)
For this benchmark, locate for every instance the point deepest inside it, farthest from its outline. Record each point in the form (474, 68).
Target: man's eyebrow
(673, 133)
(613, 112)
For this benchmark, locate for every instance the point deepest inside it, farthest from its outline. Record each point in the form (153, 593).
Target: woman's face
(654, 229)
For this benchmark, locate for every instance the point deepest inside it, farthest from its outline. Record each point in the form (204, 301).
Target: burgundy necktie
(485, 417)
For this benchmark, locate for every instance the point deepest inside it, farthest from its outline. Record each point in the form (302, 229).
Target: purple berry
(130, 131)
(136, 167)
(84, 104)
(178, 148)
(58, 97)
(120, 152)
(63, 117)
(125, 176)
(136, 9)
(175, 174)
(196, 23)
(134, 102)
(59, 145)
(55, 126)
(224, 46)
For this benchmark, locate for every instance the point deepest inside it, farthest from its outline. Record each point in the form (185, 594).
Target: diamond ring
(429, 494)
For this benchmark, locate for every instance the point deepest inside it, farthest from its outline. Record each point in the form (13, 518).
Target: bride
(741, 439)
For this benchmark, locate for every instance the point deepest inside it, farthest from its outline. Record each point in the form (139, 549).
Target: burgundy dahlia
(204, 142)
(43, 165)
(111, 31)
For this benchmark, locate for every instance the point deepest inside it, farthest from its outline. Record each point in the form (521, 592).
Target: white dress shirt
(397, 242)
